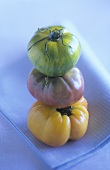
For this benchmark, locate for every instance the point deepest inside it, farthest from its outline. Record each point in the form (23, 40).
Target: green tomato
(54, 50)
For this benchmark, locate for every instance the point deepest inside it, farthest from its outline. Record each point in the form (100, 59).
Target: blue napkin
(15, 101)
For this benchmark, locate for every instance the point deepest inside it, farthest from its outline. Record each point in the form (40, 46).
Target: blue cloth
(15, 101)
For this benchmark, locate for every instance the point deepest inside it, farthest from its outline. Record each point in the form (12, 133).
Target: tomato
(56, 91)
(55, 127)
(54, 50)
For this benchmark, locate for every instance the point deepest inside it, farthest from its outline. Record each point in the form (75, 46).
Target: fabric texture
(15, 101)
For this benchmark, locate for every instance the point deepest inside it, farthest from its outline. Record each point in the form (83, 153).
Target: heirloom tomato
(55, 127)
(54, 50)
(56, 91)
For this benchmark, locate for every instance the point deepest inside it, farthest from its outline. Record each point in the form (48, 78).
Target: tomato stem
(65, 111)
(37, 42)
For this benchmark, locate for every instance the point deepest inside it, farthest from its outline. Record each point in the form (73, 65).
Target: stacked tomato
(60, 111)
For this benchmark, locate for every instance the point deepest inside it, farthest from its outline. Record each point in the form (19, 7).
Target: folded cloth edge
(72, 163)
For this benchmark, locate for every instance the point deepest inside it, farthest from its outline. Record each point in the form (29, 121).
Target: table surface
(19, 19)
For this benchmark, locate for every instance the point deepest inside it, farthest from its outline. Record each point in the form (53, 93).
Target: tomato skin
(56, 91)
(48, 125)
(54, 58)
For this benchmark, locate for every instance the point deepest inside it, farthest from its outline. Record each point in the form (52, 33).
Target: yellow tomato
(55, 127)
